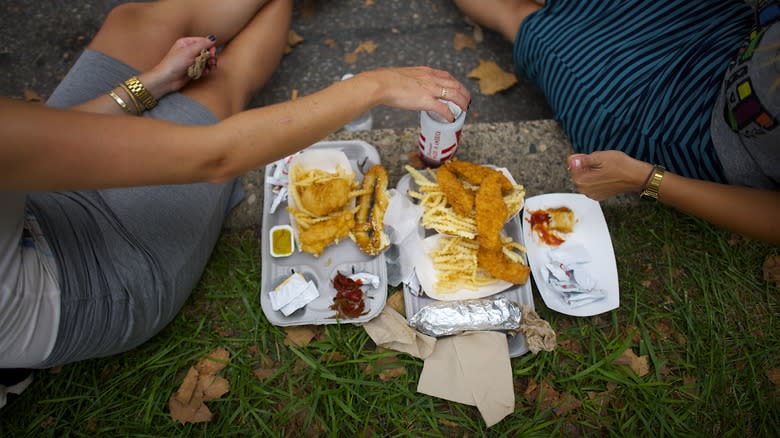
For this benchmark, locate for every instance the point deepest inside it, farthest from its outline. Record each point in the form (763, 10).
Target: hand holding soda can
(439, 138)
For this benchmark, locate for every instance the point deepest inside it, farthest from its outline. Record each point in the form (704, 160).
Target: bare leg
(140, 34)
(502, 16)
(247, 62)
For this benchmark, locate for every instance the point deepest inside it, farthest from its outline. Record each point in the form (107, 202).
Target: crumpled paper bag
(390, 330)
(472, 368)
(538, 333)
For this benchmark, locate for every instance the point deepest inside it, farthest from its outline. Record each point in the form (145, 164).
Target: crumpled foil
(444, 318)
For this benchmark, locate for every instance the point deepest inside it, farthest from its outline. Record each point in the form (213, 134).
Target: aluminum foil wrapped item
(444, 318)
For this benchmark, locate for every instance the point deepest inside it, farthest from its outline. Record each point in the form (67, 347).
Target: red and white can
(439, 138)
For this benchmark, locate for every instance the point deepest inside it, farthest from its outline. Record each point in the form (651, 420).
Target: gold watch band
(141, 93)
(653, 186)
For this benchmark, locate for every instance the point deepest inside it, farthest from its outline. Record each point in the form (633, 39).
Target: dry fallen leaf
(567, 404)
(369, 3)
(396, 302)
(638, 364)
(391, 373)
(201, 384)
(367, 46)
(293, 39)
(773, 375)
(263, 373)
(448, 423)
(772, 269)
(463, 41)
(32, 96)
(299, 336)
(330, 42)
(492, 78)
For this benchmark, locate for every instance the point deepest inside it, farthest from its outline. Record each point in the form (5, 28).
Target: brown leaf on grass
(332, 356)
(213, 363)
(32, 96)
(570, 344)
(293, 39)
(201, 384)
(391, 373)
(263, 373)
(665, 329)
(367, 46)
(773, 374)
(396, 302)
(448, 423)
(330, 42)
(299, 336)
(463, 41)
(395, 30)
(253, 349)
(368, 3)
(772, 269)
(492, 78)
(638, 364)
(567, 404)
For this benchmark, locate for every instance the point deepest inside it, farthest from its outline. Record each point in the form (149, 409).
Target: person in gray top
(107, 219)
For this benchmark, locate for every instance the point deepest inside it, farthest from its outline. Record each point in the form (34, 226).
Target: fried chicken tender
(460, 198)
(475, 173)
(317, 236)
(369, 235)
(326, 196)
(491, 212)
(497, 264)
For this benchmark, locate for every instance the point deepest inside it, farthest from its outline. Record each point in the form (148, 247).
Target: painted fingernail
(212, 37)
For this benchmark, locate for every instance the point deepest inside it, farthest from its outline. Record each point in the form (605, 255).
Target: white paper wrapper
(567, 273)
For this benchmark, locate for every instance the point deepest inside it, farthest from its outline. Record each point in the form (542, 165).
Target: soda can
(439, 138)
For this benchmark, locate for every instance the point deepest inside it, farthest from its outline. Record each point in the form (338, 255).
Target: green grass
(692, 299)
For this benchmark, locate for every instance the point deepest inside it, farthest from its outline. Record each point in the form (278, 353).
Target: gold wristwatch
(653, 185)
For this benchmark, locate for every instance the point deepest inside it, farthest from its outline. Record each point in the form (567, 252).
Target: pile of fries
(324, 208)
(469, 204)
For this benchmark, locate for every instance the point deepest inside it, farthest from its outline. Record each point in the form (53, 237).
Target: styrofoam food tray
(520, 294)
(344, 257)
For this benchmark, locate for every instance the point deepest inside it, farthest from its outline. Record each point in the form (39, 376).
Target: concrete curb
(534, 152)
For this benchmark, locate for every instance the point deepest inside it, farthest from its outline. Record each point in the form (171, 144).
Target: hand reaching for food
(603, 174)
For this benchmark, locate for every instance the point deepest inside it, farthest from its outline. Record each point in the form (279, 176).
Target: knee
(127, 14)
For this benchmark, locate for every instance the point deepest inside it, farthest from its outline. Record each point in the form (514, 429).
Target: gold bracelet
(119, 101)
(138, 90)
(138, 107)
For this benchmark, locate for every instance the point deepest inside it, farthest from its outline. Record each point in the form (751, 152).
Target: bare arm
(168, 76)
(50, 149)
(751, 212)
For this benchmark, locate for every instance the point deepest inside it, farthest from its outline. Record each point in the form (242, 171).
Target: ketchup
(348, 301)
(540, 223)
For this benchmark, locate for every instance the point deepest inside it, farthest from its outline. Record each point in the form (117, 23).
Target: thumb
(580, 162)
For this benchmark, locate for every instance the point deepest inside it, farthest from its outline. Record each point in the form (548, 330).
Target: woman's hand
(170, 74)
(604, 174)
(420, 89)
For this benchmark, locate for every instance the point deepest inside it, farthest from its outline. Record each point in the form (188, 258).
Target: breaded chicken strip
(500, 266)
(491, 212)
(460, 198)
(475, 173)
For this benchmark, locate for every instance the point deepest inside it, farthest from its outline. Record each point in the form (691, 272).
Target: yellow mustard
(281, 241)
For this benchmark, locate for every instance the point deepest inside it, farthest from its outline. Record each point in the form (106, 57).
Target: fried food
(455, 262)
(552, 225)
(325, 196)
(369, 235)
(491, 212)
(460, 198)
(321, 206)
(475, 173)
(318, 235)
(441, 217)
(500, 265)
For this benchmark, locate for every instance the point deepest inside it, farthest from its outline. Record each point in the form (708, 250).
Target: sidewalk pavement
(533, 151)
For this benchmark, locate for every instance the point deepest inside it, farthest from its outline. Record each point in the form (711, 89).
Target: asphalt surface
(40, 40)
